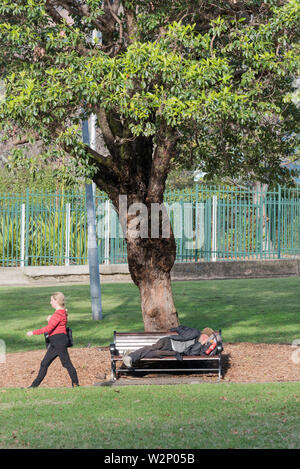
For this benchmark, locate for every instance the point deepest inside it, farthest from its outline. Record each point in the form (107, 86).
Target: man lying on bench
(188, 341)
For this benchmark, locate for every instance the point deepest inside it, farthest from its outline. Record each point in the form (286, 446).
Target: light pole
(89, 137)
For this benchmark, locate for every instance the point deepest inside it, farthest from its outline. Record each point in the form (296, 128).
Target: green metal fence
(210, 223)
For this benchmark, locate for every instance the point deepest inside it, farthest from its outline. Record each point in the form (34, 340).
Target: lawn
(181, 416)
(191, 416)
(255, 310)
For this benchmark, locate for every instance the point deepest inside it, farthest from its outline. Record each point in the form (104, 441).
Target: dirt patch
(244, 362)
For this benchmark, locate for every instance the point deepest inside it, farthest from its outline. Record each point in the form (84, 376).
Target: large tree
(171, 83)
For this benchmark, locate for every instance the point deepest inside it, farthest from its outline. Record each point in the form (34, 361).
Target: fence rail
(210, 223)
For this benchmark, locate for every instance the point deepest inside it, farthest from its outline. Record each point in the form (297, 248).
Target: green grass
(256, 310)
(208, 416)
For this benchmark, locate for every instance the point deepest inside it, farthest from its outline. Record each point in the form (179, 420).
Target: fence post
(261, 222)
(67, 240)
(23, 211)
(107, 232)
(26, 243)
(279, 221)
(196, 223)
(214, 228)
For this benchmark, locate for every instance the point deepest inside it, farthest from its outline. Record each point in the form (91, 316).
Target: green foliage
(16, 181)
(223, 90)
(41, 172)
(181, 179)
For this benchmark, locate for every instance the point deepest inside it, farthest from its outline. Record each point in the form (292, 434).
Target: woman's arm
(53, 321)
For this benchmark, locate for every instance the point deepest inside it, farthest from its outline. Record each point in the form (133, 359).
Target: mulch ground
(243, 363)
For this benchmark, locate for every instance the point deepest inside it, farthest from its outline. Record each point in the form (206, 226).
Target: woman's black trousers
(57, 348)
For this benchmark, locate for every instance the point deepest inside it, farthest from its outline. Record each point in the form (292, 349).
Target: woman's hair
(59, 298)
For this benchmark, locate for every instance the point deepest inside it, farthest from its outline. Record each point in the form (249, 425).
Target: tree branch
(117, 19)
(131, 25)
(52, 12)
(73, 7)
(166, 144)
(108, 135)
(106, 160)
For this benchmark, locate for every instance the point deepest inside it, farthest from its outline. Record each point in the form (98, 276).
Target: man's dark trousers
(160, 349)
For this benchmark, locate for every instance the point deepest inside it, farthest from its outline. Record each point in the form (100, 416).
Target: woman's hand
(29, 333)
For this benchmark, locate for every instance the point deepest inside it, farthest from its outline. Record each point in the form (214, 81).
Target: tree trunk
(136, 187)
(159, 312)
(150, 262)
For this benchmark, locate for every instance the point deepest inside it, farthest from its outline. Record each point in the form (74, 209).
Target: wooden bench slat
(185, 357)
(141, 334)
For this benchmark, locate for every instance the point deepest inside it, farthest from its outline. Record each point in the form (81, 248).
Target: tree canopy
(217, 77)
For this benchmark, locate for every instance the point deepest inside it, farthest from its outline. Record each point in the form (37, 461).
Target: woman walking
(57, 330)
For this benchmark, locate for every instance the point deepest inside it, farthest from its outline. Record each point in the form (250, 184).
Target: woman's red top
(56, 325)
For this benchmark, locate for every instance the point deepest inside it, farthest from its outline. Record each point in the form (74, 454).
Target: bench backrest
(134, 340)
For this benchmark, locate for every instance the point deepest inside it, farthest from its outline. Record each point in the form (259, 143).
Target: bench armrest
(219, 349)
(112, 349)
(219, 344)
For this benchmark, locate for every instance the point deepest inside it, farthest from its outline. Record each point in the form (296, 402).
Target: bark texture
(150, 263)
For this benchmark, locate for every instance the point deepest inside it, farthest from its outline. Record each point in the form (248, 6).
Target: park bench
(130, 341)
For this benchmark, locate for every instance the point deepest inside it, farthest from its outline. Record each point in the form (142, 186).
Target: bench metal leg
(113, 374)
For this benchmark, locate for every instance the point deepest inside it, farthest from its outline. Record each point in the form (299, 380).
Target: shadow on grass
(256, 310)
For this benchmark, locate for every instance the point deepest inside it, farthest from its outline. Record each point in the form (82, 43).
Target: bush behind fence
(210, 223)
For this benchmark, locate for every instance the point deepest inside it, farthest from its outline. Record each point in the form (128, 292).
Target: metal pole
(93, 255)
(90, 191)
(92, 130)
(95, 288)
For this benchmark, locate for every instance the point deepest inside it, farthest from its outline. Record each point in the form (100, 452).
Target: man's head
(205, 334)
